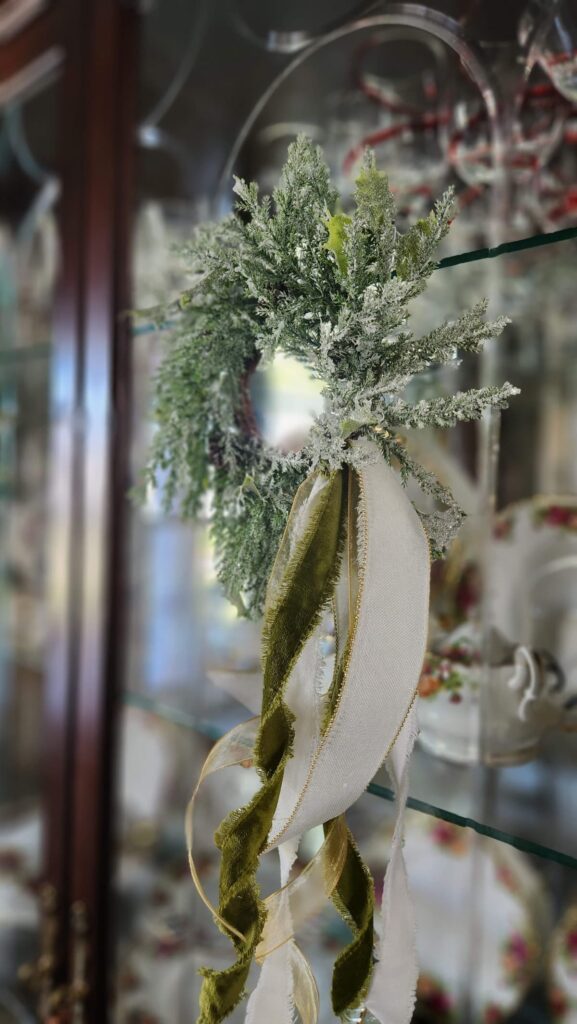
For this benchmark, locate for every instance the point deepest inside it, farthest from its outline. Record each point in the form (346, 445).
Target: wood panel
(103, 137)
(93, 45)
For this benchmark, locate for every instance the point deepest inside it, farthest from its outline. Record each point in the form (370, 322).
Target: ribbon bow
(354, 545)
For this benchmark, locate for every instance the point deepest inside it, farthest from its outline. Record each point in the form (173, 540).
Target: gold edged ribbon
(308, 891)
(381, 607)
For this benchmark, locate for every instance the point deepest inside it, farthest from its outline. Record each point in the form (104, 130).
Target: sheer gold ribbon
(307, 892)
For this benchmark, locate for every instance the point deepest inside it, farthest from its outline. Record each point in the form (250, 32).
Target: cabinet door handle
(79, 988)
(40, 976)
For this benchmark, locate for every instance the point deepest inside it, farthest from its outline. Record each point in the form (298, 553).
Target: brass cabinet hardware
(63, 1002)
(40, 976)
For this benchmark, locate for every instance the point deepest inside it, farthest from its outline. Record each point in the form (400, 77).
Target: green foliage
(416, 249)
(337, 226)
(292, 274)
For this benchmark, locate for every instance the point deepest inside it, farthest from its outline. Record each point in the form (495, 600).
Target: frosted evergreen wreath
(327, 530)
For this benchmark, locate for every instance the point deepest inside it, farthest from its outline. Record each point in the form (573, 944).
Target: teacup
(494, 710)
(492, 699)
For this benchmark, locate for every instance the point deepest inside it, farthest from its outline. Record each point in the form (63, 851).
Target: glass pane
(193, 665)
(505, 950)
(514, 797)
(516, 717)
(418, 84)
(190, 657)
(29, 259)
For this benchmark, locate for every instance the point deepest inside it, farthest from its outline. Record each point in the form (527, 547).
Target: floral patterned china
(563, 970)
(492, 906)
(530, 685)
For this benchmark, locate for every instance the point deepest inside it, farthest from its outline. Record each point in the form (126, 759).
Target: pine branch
(467, 334)
(416, 249)
(370, 243)
(446, 412)
(441, 525)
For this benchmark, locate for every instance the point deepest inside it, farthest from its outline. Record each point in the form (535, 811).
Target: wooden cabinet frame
(91, 45)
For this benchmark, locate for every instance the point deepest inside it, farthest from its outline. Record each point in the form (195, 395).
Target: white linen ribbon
(386, 658)
(391, 997)
(374, 719)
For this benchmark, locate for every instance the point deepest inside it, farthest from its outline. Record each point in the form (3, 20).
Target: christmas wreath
(327, 530)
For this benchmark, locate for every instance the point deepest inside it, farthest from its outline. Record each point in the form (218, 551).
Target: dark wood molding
(64, 474)
(103, 142)
(45, 32)
(90, 406)
(93, 45)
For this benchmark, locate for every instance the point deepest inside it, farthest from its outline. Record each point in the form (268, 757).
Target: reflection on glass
(525, 710)
(381, 84)
(28, 267)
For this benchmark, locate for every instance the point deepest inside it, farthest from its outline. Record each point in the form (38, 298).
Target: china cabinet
(66, 115)
(121, 124)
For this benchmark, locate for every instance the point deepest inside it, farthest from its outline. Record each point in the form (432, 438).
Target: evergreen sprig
(291, 273)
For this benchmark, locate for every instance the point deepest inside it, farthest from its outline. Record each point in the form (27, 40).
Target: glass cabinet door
(29, 271)
(492, 840)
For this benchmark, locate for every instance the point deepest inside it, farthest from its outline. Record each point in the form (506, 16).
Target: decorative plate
(481, 916)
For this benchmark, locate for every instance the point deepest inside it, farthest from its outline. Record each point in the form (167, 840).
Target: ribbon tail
(300, 586)
(354, 896)
(274, 996)
(381, 612)
(272, 999)
(392, 993)
(354, 899)
(304, 704)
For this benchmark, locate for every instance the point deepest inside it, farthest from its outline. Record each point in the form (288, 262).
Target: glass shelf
(168, 934)
(531, 807)
(438, 789)
(513, 246)
(168, 713)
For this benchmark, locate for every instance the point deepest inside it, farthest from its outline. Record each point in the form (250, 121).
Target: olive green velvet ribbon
(354, 898)
(302, 584)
